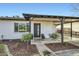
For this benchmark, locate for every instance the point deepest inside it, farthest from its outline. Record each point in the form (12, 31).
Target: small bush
(26, 37)
(1, 46)
(54, 35)
(46, 53)
(65, 44)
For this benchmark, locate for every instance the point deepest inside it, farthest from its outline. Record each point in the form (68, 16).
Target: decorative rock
(7, 50)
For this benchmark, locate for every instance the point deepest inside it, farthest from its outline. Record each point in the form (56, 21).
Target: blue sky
(35, 8)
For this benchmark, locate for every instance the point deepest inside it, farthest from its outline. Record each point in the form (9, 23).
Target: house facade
(8, 28)
(15, 27)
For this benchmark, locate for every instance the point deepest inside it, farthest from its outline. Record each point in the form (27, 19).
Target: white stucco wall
(46, 28)
(7, 30)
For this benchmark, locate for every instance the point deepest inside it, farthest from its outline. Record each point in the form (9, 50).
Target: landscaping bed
(58, 46)
(18, 48)
(2, 50)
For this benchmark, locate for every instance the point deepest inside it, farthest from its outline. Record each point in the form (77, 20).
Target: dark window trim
(17, 25)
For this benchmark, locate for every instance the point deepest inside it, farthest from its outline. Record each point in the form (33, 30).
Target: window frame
(18, 24)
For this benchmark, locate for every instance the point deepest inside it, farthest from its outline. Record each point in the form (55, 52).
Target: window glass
(21, 27)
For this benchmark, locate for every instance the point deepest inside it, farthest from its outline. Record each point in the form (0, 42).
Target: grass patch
(2, 50)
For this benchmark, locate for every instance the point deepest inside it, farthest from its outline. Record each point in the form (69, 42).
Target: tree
(26, 38)
(75, 9)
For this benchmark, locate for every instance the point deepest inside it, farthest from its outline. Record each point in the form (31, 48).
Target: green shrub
(65, 44)
(26, 37)
(1, 46)
(54, 35)
(46, 53)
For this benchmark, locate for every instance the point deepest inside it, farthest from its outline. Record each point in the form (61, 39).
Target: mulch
(18, 48)
(58, 46)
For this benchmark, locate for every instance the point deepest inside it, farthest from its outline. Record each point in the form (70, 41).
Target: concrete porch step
(37, 38)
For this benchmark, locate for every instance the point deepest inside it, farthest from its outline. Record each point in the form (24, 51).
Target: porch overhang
(53, 18)
(61, 20)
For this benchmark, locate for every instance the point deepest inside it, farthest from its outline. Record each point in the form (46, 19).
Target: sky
(16, 9)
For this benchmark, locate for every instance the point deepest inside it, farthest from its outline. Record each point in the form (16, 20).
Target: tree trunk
(28, 44)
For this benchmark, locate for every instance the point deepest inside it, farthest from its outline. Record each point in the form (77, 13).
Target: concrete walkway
(70, 52)
(74, 41)
(41, 47)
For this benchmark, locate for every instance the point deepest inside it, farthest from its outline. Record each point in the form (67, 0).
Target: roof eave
(48, 16)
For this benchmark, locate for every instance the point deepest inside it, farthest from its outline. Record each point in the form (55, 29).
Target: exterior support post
(30, 19)
(71, 30)
(62, 31)
(29, 26)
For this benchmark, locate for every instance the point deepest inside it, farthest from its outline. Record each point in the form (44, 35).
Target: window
(21, 27)
(16, 27)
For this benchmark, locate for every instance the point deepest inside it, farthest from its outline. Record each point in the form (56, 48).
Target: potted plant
(54, 35)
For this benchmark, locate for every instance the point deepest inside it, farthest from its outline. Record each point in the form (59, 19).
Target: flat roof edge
(39, 15)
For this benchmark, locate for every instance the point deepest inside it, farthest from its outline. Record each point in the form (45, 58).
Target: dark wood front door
(37, 29)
